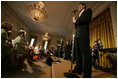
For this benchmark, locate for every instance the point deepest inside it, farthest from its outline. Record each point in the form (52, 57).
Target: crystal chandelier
(37, 11)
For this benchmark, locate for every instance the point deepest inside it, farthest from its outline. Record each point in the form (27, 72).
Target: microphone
(74, 11)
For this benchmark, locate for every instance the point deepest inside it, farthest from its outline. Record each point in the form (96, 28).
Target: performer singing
(84, 59)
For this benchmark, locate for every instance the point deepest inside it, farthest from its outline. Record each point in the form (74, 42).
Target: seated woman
(36, 52)
(20, 38)
(19, 53)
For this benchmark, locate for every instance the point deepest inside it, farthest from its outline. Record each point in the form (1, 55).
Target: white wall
(7, 15)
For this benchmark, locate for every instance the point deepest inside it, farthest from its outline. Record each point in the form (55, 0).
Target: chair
(19, 54)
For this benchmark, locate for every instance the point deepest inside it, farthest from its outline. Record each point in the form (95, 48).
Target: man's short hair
(83, 4)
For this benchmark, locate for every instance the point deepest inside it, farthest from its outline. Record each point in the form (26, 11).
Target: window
(45, 45)
(32, 41)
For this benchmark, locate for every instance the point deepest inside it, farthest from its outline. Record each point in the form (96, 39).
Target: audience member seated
(36, 52)
(41, 50)
(19, 47)
(47, 52)
(36, 49)
(52, 50)
(5, 46)
(29, 53)
(55, 52)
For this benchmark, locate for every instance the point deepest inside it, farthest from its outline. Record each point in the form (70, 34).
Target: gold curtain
(101, 28)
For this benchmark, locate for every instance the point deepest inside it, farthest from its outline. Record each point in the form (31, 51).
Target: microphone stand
(70, 74)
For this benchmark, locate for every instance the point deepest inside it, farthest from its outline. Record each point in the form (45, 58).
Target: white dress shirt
(81, 12)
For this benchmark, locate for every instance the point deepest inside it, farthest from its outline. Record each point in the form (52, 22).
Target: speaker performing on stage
(81, 43)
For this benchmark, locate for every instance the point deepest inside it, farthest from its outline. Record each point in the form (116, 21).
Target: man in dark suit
(84, 59)
(67, 50)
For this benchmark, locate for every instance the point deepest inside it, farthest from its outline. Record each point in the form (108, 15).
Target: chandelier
(37, 11)
(45, 37)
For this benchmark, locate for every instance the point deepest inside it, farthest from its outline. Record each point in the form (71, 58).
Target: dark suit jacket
(82, 24)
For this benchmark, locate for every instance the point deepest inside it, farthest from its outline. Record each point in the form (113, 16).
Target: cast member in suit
(84, 60)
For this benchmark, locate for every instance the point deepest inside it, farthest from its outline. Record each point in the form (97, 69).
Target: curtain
(101, 28)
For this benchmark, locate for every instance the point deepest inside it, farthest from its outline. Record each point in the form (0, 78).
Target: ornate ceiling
(59, 19)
